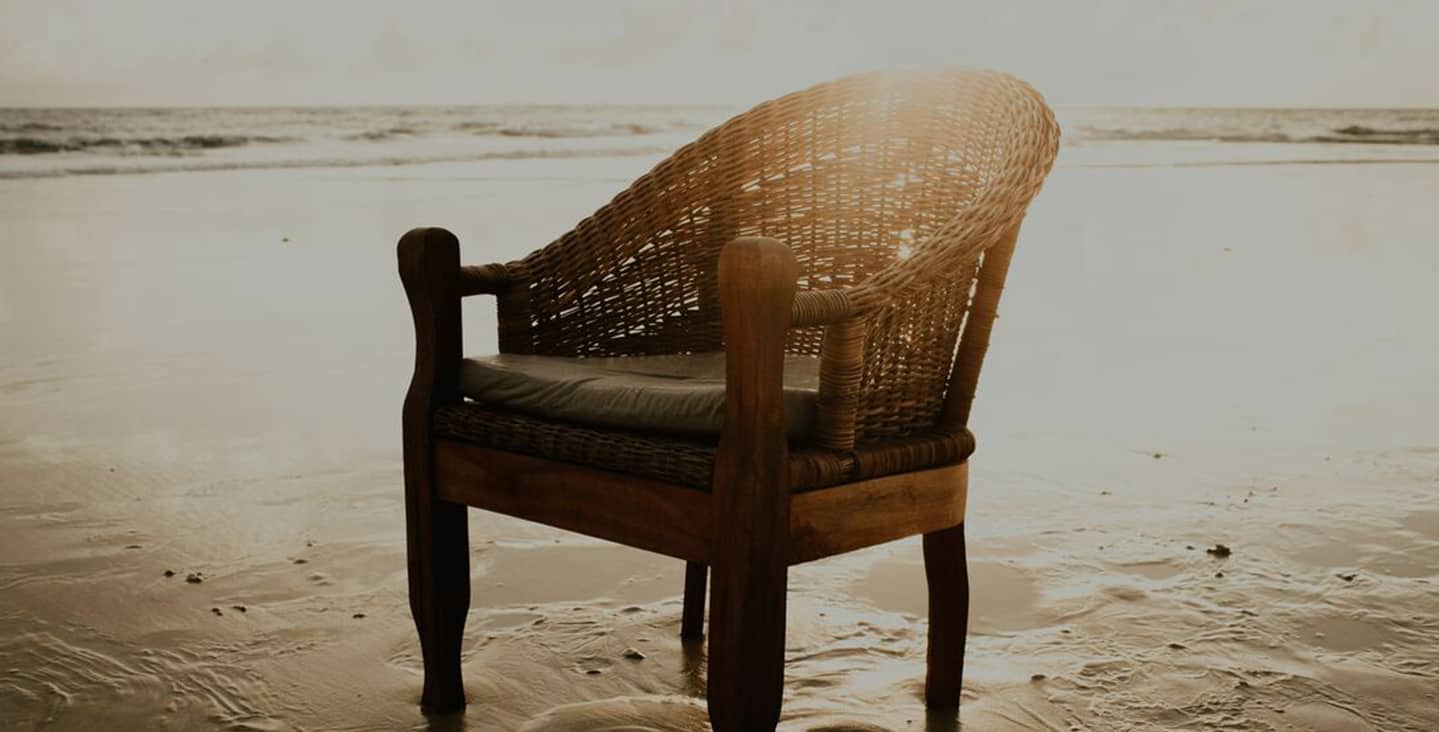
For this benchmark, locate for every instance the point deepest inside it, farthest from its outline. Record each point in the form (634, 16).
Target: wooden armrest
(429, 259)
(487, 279)
(435, 283)
(757, 282)
(483, 279)
(759, 305)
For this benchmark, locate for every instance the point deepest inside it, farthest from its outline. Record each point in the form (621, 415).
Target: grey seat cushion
(682, 394)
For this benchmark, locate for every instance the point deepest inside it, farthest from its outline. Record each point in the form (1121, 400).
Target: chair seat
(680, 394)
(681, 459)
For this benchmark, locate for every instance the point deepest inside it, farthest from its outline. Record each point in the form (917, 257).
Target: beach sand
(201, 373)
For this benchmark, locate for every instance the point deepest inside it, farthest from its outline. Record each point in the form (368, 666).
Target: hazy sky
(1199, 52)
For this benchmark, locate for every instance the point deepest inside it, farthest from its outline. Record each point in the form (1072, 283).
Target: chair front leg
(946, 571)
(437, 544)
(750, 550)
(437, 534)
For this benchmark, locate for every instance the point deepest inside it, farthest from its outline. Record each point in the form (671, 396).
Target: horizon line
(697, 105)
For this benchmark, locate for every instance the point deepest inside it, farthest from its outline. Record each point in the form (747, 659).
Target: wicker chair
(865, 224)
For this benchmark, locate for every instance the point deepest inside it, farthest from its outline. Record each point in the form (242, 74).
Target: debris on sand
(634, 654)
(169, 573)
(358, 616)
(132, 546)
(1176, 646)
(216, 610)
(1347, 576)
(302, 560)
(1218, 550)
(195, 578)
(1038, 677)
(240, 608)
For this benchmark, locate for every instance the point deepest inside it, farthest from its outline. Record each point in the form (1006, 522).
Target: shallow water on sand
(202, 373)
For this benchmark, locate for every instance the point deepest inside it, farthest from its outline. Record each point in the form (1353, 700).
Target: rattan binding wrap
(888, 187)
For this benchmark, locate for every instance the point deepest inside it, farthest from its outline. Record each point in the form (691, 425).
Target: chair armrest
(757, 282)
(759, 305)
(429, 260)
(487, 279)
(821, 307)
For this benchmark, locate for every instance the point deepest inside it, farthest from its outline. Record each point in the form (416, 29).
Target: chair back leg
(947, 574)
(692, 626)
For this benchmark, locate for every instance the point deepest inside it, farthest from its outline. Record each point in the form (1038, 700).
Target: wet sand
(201, 374)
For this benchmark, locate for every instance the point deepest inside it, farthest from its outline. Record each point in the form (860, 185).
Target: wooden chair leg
(745, 687)
(437, 535)
(947, 573)
(439, 596)
(750, 552)
(692, 627)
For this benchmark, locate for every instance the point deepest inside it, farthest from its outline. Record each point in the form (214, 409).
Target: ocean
(61, 142)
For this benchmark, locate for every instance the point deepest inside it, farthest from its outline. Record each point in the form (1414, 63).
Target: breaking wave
(58, 142)
(131, 145)
(203, 165)
(614, 130)
(1358, 134)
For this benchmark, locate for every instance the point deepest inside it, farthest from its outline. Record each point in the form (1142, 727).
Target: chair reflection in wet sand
(762, 353)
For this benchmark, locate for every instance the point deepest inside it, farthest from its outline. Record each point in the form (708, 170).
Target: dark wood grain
(437, 535)
(659, 517)
(835, 520)
(751, 488)
(947, 574)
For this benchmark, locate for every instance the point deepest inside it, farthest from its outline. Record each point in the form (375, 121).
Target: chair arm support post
(757, 279)
(750, 552)
(978, 324)
(437, 539)
(840, 369)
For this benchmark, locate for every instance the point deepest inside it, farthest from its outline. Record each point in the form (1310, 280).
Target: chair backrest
(890, 185)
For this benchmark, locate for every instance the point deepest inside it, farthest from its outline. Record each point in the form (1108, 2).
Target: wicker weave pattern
(888, 187)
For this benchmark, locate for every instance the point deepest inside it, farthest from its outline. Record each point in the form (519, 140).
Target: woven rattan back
(888, 187)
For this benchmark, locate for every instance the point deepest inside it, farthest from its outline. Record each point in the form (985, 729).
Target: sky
(296, 52)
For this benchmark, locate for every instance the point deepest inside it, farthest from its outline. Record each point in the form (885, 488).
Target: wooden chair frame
(746, 531)
(868, 222)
